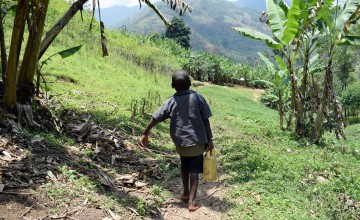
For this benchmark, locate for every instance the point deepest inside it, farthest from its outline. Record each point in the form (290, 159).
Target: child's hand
(209, 146)
(144, 140)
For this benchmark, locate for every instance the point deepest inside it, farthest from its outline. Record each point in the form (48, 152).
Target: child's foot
(194, 207)
(184, 198)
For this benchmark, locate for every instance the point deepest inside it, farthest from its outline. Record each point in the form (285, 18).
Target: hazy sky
(109, 3)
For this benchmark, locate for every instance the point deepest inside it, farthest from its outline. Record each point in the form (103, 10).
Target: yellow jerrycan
(209, 166)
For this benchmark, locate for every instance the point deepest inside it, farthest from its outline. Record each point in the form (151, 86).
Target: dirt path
(210, 198)
(256, 92)
(35, 203)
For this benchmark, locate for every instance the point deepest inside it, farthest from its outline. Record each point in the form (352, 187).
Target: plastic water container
(209, 168)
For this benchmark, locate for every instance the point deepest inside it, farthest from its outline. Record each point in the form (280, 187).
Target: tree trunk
(30, 59)
(300, 117)
(281, 112)
(3, 48)
(319, 121)
(294, 110)
(56, 29)
(15, 47)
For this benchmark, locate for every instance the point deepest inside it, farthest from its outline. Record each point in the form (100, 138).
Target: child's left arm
(210, 144)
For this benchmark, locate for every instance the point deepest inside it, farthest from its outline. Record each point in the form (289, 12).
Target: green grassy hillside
(270, 174)
(264, 173)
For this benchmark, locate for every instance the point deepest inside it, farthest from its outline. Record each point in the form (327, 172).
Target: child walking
(190, 131)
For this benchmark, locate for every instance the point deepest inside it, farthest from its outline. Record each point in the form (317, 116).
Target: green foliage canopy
(179, 32)
(351, 97)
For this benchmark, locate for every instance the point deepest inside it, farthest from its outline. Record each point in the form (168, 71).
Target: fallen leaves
(4, 155)
(36, 138)
(322, 180)
(33, 161)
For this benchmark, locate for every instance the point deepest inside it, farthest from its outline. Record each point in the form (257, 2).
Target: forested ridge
(78, 156)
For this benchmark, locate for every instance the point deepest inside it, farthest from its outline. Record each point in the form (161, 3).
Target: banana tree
(296, 30)
(280, 84)
(338, 31)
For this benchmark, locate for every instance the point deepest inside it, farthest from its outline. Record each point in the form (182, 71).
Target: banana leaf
(258, 36)
(350, 40)
(268, 63)
(277, 18)
(352, 6)
(292, 24)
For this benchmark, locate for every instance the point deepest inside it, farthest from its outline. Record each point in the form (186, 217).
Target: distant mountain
(210, 24)
(255, 4)
(113, 15)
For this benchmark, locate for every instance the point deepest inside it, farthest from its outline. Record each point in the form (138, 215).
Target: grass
(269, 174)
(285, 173)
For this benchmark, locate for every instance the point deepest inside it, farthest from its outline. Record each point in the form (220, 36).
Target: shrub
(260, 84)
(351, 99)
(270, 100)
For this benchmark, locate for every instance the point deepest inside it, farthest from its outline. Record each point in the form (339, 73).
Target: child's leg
(190, 169)
(185, 181)
(194, 182)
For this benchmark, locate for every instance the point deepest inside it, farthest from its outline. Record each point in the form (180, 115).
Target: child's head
(181, 80)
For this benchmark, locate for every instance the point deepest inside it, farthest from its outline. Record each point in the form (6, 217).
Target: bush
(351, 99)
(260, 84)
(270, 100)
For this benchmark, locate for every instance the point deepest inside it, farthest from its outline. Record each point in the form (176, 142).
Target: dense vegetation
(297, 33)
(179, 32)
(267, 173)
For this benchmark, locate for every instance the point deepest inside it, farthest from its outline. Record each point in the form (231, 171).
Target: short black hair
(181, 80)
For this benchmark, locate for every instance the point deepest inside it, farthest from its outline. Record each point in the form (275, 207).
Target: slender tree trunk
(300, 117)
(15, 47)
(3, 48)
(346, 114)
(319, 121)
(294, 110)
(281, 112)
(328, 98)
(30, 60)
(56, 29)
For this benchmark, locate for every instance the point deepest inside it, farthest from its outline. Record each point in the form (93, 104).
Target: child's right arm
(144, 140)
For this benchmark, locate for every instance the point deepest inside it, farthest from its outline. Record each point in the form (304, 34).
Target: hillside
(112, 16)
(210, 25)
(255, 4)
(90, 166)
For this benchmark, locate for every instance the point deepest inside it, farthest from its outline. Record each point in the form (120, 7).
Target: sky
(110, 3)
